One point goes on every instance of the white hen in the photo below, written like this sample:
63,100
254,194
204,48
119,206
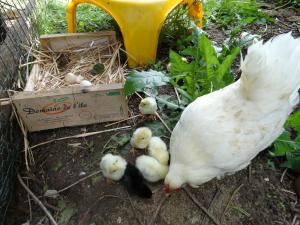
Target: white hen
221,132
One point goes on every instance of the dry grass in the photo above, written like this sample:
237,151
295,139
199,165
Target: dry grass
53,66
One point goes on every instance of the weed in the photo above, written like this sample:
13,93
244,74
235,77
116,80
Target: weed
240,210
140,81
175,27
204,72
114,143
234,14
89,145
50,18
288,146
96,179
57,166
67,210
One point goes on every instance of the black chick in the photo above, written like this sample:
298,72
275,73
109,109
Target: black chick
134,182
2,30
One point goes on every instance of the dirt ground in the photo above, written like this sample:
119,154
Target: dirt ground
259,195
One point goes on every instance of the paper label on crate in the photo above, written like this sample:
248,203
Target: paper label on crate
71,109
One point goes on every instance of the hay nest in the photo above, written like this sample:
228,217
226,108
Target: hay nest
97,64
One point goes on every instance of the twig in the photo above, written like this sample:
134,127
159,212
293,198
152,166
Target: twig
134,210
27,149
294,220
37,200
152,220
194,199
29,203
120,121
283,174
139,95
3,103
210,204
177,95
33,62
287,191
4,99
80,136
282,6
163,122
27,60
50,206
83,218
230,200
249,172
79,181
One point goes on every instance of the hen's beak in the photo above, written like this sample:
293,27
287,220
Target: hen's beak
167,188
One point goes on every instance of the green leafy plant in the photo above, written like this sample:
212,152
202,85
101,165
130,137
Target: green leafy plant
286,146
158,129
204,72
98,69
176,26
143,80
234,14
67,211
115,142
148,82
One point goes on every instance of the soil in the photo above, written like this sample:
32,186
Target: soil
260,195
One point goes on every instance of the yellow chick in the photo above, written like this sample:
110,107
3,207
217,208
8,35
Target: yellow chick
158,149
150,168
140,138
148,106
113,166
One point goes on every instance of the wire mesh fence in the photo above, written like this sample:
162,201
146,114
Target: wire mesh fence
15,33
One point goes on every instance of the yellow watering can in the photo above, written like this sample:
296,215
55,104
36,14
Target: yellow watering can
140,22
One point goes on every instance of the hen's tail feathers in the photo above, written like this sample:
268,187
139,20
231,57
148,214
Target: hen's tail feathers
273,68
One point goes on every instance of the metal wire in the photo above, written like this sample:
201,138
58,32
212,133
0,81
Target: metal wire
15,31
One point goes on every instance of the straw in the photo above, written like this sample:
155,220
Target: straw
54,66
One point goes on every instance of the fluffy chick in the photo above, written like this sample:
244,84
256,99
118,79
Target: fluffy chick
134,182
151,169
116,168
148,106
113,166
140,139
158,149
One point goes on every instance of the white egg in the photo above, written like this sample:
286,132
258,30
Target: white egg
71,78
85,83
79,78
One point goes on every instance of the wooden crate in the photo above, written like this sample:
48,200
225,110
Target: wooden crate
70,106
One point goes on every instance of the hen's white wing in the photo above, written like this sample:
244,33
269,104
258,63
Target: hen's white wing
222,132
